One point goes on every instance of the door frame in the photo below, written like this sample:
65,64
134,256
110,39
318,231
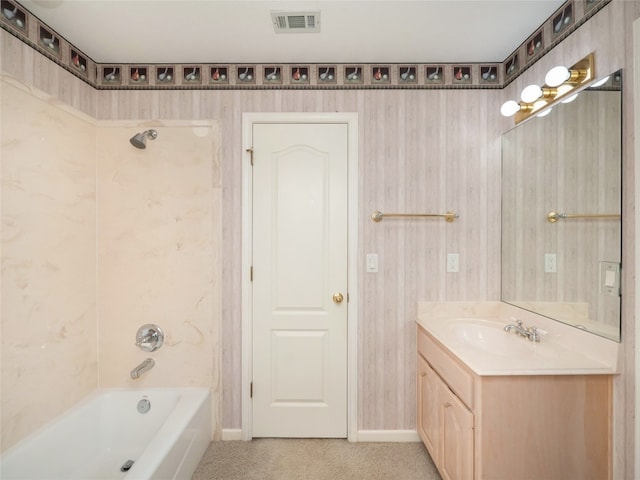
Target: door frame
636,268
351,120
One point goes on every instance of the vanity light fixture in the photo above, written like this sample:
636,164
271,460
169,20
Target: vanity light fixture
561,84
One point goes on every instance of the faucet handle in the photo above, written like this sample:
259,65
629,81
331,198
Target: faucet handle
149,337
519,322
533,334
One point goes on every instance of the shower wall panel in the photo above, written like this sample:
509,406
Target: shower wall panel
159,228
49,347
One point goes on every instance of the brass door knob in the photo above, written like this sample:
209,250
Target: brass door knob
337,297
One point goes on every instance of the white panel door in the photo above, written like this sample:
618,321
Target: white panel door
299,275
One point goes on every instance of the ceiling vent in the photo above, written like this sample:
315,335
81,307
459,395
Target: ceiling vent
296,22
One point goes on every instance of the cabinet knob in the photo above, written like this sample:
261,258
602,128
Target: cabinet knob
337,297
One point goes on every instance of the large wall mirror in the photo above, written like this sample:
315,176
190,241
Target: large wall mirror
561,211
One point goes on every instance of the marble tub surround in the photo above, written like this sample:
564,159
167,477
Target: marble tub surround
562,350
48,280
99,238
158,237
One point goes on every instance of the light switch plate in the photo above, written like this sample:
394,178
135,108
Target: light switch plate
550,263
610,278
372,263
453,263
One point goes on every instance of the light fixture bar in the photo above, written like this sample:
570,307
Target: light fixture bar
562,83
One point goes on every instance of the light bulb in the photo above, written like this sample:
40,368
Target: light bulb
540,104
531,93
557,76
599,83
509,108
571,98
544,113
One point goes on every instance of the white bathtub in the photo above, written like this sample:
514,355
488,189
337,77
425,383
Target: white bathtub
96,437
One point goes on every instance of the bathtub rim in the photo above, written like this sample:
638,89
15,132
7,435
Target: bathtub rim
200,395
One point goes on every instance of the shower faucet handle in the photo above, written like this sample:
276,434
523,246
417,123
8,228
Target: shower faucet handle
149,337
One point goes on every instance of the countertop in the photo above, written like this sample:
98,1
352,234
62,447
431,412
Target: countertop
488,350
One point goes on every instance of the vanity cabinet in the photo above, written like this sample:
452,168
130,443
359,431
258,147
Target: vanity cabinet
477,427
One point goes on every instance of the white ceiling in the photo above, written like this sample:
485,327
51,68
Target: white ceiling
239,31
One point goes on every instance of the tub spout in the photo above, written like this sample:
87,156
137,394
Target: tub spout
143,367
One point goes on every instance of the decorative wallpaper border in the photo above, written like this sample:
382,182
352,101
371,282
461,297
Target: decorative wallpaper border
21,23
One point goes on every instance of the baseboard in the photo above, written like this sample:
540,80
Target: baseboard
362,435
231,434
388,436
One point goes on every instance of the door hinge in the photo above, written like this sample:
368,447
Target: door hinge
250,150
251,390
251,273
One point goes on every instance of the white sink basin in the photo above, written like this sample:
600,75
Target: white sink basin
488,349
490,337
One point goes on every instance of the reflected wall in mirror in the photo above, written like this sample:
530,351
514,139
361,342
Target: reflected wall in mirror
569,162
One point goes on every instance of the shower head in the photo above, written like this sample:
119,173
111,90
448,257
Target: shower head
138,140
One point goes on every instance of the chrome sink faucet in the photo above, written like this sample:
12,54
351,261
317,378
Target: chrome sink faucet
143,367
527,332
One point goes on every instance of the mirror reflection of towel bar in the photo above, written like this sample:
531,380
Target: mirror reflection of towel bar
553,217
377,216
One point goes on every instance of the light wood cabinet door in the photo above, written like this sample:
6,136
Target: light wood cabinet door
428,407
456,448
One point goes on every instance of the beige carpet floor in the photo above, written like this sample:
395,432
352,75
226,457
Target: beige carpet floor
315,459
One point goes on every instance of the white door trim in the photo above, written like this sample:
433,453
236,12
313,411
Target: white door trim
351,120
636,313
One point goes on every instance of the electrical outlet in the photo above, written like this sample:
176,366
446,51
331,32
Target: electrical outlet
453,263
550,263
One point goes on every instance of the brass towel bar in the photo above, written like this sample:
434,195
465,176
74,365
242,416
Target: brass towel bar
377,216
553,217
